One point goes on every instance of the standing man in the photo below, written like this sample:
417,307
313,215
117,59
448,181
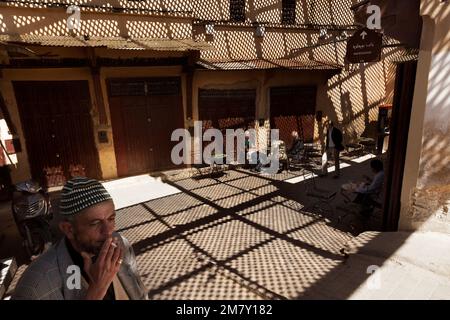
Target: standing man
332,148
91,261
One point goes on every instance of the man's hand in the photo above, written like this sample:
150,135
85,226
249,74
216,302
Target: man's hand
102,272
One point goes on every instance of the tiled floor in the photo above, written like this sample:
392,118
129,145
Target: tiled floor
237,236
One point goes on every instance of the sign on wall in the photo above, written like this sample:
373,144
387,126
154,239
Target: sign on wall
364,46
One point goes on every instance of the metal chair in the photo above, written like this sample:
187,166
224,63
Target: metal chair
367,144
322,198
356,217
297,160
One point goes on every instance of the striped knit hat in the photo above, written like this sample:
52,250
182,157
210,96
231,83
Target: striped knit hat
80,193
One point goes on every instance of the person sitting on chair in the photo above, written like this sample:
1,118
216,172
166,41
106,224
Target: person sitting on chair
368,192
297,144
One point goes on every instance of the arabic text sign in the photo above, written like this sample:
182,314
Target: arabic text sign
364,46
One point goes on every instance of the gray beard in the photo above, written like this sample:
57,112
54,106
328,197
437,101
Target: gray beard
87,248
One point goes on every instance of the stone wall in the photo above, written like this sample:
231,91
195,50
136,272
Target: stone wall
430,209
426,184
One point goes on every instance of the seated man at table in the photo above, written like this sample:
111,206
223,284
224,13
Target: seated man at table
368,192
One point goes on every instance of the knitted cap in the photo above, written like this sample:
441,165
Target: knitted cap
80,193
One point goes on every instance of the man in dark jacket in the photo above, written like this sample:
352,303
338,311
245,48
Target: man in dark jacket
332,148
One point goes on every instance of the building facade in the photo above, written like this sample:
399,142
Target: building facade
102,100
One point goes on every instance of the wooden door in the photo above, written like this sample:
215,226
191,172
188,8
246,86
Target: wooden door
144,113
293,109
57,124
227,109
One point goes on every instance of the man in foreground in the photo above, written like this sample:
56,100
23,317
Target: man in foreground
91,261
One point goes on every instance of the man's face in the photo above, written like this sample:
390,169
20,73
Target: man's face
92,227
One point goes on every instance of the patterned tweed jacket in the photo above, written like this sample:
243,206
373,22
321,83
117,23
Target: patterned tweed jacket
46,277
